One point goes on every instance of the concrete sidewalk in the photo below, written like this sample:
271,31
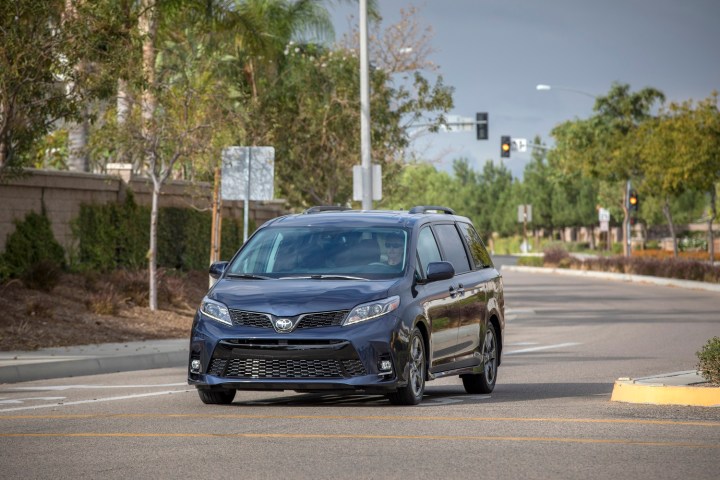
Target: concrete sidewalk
63,362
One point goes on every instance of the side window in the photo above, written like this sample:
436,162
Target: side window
427,248
477,249
453,247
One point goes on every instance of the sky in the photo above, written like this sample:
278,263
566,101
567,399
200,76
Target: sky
495,52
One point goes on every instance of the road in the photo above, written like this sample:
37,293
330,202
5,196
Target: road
550,416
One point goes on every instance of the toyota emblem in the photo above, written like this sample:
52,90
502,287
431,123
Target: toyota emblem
283,325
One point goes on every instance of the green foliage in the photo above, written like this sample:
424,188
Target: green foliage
115,236
531,261
32,253
709,361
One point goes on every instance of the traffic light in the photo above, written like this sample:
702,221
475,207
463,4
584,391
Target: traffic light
482,126
633,201
505,146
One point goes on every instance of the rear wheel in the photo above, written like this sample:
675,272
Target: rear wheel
217,397
412,393
485,382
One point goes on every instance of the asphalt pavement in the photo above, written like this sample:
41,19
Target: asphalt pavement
678,388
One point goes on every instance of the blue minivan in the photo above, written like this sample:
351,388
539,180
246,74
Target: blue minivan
348,301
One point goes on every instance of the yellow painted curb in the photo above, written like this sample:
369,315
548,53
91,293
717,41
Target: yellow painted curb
630,392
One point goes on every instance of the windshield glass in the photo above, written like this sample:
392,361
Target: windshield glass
366,252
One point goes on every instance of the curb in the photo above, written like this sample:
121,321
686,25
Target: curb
78,361
647,391
623,277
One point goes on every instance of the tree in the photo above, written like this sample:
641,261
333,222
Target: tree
35,56
680,151
603,146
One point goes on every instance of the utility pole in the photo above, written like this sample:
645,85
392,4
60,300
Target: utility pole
366,160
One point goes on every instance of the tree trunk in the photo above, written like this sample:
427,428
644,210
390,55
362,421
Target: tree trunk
78,134
668,216
713,214
147,25
152,253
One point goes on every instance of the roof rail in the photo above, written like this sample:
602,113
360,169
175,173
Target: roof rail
432,208
326,208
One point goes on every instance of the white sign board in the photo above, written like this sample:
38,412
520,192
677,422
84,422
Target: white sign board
604,226
524,213
603,215
239,163
456,123
376,181
519,144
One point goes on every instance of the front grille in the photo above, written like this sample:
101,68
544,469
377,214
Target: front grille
322,319
308,320
285,368
250,319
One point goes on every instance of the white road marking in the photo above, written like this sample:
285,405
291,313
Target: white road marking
23,400
544,347
87,387
97,400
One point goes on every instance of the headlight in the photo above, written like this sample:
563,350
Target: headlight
215,310
368,311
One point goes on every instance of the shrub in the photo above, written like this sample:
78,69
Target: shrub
530,261
554,254
104,302
42,275
32,253
709,364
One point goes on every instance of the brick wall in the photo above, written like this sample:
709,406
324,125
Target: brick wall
62,193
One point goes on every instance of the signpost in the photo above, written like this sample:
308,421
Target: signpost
248,173
524,216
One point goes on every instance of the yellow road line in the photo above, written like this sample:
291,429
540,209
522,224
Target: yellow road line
361,437
362,417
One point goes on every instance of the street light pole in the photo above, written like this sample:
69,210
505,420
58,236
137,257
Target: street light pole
366,161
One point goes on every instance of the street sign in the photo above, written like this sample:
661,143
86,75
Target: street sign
241,165
519,144
524,213
603,215
604,226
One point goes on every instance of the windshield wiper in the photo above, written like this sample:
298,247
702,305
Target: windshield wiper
335,277
247,276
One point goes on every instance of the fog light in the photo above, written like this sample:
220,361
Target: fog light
195,366
385,367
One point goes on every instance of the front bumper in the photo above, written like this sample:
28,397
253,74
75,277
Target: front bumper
318,359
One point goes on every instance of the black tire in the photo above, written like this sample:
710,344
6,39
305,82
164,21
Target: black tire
485,382
412,393
217,397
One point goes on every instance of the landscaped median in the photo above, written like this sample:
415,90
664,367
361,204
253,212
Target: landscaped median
679,388
626,277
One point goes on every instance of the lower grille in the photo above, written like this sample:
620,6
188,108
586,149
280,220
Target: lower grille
285,368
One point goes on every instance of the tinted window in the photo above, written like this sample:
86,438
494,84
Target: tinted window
283,252
453,247
477,249
427,248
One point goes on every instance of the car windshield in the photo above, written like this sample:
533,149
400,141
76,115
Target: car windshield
323,253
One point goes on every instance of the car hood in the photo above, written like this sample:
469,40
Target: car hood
292,297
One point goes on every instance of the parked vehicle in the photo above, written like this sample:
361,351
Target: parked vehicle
339,300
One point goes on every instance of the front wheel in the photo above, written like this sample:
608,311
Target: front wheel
485,382
217,397
412,393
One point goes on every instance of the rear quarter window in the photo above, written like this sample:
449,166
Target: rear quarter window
479,253
452,246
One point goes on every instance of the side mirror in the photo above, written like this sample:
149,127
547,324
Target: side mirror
439,271
217,269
